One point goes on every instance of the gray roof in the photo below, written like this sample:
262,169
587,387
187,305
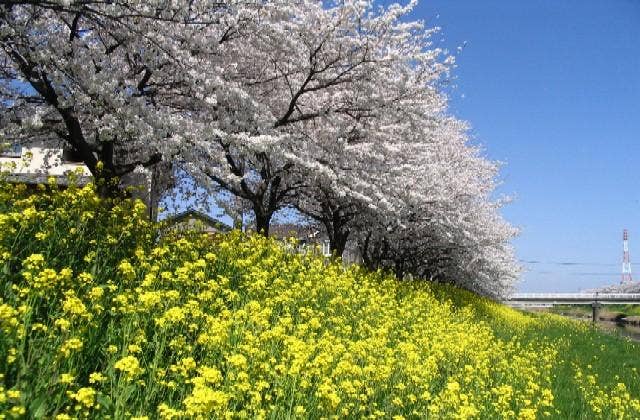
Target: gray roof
195,214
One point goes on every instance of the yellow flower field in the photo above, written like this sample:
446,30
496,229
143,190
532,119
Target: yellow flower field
103,318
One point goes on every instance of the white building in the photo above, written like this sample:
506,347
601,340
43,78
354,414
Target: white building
35,163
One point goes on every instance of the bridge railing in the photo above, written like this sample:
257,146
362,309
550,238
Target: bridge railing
575,296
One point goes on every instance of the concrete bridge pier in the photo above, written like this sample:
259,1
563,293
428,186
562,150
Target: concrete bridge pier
595,311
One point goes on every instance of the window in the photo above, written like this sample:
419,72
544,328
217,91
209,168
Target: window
12,150
71,155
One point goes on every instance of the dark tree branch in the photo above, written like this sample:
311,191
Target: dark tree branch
74,27
125,169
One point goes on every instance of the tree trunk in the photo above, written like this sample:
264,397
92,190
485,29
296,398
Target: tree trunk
367,261
263,219
399,270
337,232
338,242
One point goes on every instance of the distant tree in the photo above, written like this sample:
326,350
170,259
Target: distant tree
443,224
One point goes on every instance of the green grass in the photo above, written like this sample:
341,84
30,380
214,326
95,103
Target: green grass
609,357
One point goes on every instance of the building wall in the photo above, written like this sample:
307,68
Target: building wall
43,161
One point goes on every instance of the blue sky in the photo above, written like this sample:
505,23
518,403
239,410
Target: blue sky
552,89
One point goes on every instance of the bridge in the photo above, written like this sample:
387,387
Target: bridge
596,300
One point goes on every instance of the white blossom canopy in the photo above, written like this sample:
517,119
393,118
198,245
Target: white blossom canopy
334,108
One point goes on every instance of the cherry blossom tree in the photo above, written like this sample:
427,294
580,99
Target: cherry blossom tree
333,108
313,75
114,81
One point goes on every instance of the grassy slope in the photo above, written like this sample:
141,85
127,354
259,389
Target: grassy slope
98,318
583,347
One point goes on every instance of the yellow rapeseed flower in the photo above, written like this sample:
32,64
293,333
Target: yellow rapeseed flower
129,366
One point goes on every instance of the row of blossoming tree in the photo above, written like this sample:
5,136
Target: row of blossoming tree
335,109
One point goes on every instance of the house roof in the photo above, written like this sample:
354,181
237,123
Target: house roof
195,214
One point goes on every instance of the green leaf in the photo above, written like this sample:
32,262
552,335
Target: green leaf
105,402
38,407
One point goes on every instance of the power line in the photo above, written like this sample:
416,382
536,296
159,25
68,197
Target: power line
594,274
568,263
573,273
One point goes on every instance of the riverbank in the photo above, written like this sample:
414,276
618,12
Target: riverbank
607,312
611,321
620,314
624,330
